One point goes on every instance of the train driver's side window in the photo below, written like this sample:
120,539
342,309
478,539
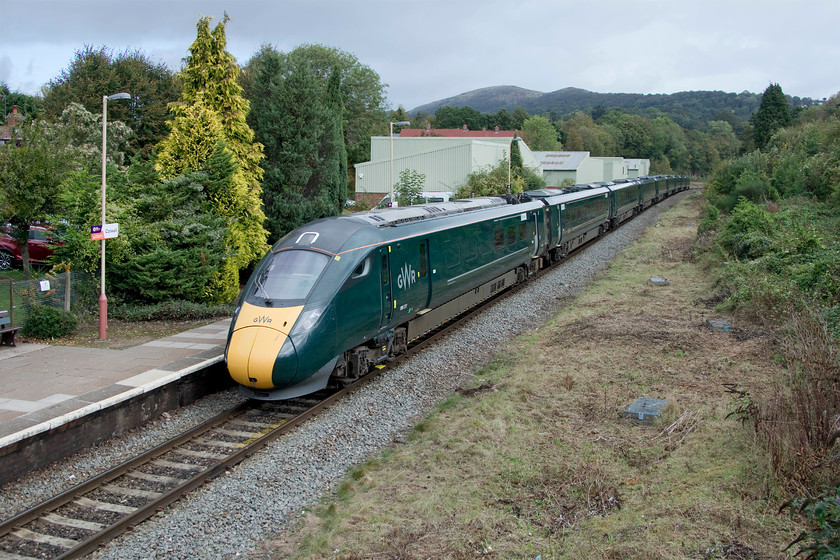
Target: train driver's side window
361,271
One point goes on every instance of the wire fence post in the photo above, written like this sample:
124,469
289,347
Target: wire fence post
67,290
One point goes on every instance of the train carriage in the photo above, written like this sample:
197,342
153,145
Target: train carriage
625,201
648,192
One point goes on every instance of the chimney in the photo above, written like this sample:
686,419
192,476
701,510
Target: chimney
464,128
497,129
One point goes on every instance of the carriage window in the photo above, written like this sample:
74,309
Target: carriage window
423,268
385,276
500,239
511,235
523,230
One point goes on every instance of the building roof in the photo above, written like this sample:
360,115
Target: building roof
462,132
13,120
560,161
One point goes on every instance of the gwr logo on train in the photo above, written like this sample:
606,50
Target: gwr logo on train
262,319
406,277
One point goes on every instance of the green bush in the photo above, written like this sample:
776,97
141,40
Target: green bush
822,540
748,233
48,322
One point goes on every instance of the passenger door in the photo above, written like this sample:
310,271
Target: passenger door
386,285
411,279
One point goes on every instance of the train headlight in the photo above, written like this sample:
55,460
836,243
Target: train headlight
309,318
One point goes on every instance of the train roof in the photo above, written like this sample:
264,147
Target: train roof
386,217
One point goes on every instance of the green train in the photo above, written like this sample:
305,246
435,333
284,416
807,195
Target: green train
338,296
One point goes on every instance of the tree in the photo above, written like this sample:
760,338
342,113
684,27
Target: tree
399,115
539,134
456,117
95,72
516,164
211,117
409,186
722,137
519,117
31,175
295,119
172,243
363,92
334,150
773,114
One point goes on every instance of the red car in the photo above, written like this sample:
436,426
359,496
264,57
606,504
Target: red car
42,243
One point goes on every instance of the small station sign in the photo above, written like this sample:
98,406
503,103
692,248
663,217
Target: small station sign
108,232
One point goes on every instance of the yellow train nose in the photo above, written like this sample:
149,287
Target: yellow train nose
259,338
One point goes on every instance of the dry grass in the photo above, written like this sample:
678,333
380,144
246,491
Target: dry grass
120,334
539,461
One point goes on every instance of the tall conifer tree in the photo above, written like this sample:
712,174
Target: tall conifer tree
210,114
773,114
335,151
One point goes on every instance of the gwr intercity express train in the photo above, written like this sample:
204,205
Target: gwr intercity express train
338,296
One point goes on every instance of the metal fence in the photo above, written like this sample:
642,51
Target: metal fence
61,291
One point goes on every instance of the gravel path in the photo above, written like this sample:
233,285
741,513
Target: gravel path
235,513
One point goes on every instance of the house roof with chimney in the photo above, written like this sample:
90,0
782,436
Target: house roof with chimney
462,132
13,120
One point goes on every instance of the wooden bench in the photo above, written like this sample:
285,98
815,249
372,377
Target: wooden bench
7,333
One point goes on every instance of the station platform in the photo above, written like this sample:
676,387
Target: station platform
44,387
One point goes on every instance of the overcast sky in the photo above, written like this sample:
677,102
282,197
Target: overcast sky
425,50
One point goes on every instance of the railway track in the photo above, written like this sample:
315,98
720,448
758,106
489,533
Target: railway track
77,521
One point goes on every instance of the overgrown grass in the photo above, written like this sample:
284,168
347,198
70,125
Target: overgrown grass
538,460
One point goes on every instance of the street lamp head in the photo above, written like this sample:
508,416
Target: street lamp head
116,96
401,123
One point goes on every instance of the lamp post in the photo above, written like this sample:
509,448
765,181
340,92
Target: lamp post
391,138
103,301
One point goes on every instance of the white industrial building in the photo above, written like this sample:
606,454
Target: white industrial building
445,161
446,158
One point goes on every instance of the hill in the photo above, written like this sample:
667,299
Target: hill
688,108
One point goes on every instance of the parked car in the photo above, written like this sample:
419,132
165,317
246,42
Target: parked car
42,244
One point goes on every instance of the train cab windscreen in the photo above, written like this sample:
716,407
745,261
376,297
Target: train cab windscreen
288,275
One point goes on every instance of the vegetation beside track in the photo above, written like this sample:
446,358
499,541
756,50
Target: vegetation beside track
537,459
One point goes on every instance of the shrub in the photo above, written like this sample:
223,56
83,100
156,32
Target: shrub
822,541
48,322
747,234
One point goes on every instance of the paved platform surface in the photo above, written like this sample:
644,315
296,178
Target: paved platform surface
42,387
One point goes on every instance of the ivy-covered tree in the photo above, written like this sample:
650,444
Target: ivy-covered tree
773,114
211,116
